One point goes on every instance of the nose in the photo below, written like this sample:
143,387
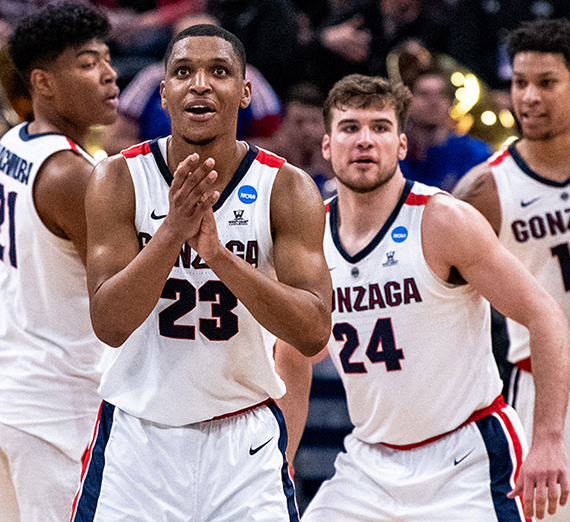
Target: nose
531,93
200,83
109,73
364,137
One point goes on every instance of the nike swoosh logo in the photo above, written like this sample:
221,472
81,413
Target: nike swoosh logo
253,451
529,202
459,461
153,215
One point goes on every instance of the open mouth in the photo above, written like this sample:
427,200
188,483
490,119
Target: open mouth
199,110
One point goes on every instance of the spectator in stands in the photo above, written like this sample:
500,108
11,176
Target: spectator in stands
301,133
437,155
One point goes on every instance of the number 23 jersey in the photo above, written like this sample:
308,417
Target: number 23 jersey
200,353
413,352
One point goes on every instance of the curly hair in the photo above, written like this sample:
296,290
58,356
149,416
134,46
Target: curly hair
361,92
40,38
543,36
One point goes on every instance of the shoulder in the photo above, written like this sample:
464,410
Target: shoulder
295,196
478,188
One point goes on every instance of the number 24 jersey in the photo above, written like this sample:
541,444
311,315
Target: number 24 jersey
413,351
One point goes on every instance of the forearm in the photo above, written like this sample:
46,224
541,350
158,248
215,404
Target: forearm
550,356
298,316
123,301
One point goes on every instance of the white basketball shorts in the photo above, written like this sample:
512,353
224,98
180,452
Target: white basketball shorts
224,470
464,475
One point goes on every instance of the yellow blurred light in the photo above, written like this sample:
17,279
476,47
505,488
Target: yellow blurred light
460,93
464,124
488,118
509,140
458,79
506,118
99,155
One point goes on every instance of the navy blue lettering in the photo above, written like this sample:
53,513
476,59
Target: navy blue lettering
393,295
375,297
343,298
360,293
411,291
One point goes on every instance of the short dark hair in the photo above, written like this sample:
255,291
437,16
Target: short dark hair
209,30
543,36
306,93
361,92
438,72
39,39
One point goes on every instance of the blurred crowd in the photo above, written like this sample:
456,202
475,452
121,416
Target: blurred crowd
297,49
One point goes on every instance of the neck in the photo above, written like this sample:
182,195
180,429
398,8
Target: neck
50,121
550,158
361,216
226,153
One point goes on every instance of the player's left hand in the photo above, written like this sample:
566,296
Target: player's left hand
543,479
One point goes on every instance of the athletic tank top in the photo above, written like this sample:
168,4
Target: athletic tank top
535,227
200,353
414,352
49,355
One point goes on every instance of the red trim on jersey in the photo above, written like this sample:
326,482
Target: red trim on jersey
525,365
85,460
269,159
73,145
238,412
137,150
495,407
416,200
499,159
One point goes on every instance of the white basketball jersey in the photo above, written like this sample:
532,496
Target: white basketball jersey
48,351
413,351
200,353
535,227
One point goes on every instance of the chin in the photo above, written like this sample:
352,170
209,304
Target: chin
199,142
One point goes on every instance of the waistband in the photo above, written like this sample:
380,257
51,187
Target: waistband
497,405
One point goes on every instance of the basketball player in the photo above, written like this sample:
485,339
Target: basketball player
412,271
202,250
523,190
49,355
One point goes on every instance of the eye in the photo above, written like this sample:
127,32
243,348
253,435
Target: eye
519,84
349,128
380,128
547,83
182,71
220,71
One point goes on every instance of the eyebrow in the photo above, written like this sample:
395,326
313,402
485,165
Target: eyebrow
354,120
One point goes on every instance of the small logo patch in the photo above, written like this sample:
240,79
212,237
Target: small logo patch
154,215
529,202
459,461
247,194
253,451
238,219
390,261
399,234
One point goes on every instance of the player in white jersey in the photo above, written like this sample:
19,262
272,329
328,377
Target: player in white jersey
524,189
49,355
413,272
193,273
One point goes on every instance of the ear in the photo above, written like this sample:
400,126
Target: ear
326,147
162,98
42,82
402,146
246,96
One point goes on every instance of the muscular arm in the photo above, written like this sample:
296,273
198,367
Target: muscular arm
296,307
456,235
478,188
125,282
59,197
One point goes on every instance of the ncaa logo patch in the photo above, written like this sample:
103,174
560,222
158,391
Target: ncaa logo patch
247,194
399,234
